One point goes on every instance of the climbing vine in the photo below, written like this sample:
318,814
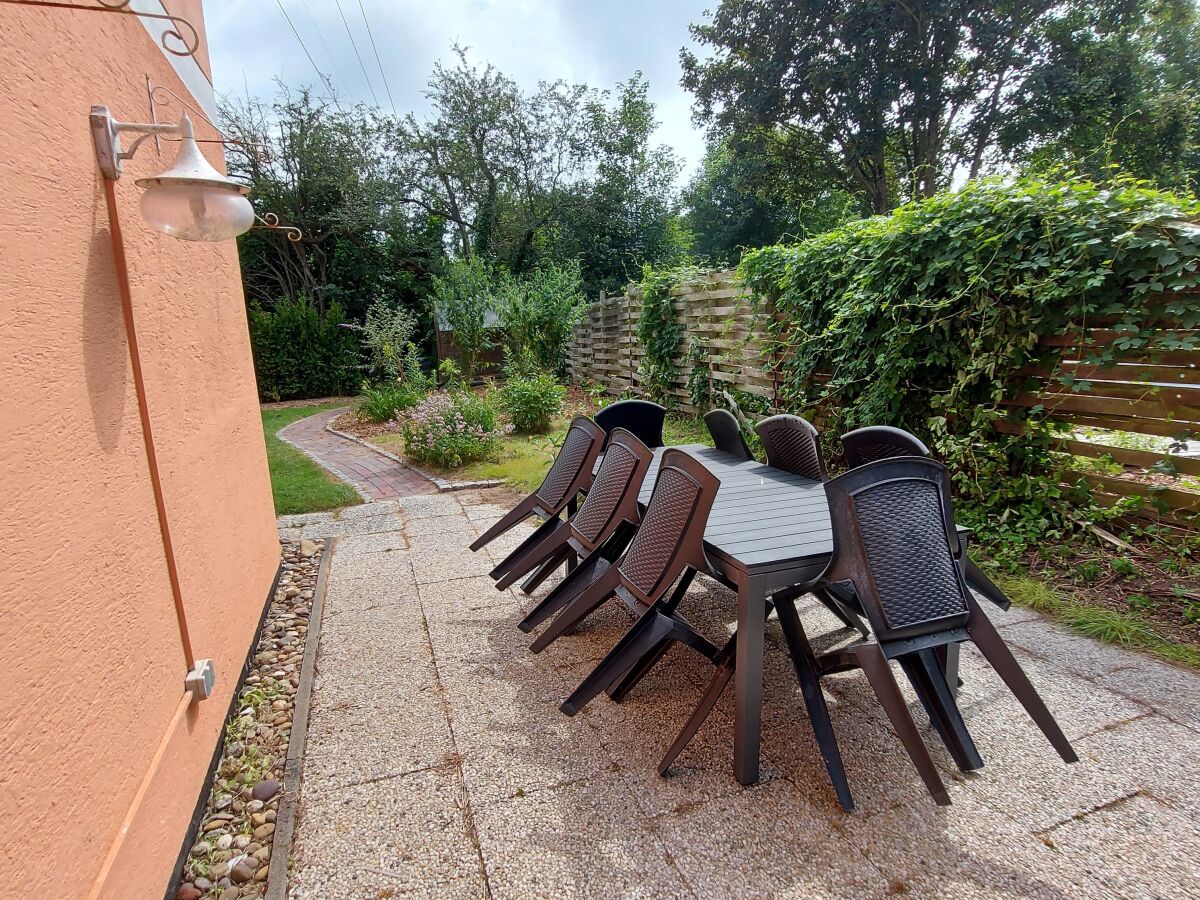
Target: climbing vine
929,317
699,381
659,333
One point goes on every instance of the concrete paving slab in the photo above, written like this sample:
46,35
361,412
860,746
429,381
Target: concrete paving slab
581,839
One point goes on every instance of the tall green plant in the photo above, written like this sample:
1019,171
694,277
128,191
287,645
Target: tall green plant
386,334
463,295
538,313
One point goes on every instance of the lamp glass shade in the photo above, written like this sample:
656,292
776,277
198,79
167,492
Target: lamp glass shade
196,212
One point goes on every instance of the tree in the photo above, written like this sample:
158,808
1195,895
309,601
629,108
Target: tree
328,171
1114,84
491,160
563,173
738,201
626,214
884,98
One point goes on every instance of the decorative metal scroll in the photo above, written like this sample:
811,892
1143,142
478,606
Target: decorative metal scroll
182,31
271,221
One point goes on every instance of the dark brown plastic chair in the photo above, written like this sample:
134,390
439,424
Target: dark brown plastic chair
642,417
727,433
667,550
611,503
791,444
876,442
895,542
570,473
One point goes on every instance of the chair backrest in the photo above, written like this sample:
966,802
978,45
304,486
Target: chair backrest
643,418
571,471
894,540
727,433
613,496
791,444
864,445
671,536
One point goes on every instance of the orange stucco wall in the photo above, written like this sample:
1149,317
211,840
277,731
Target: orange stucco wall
91,663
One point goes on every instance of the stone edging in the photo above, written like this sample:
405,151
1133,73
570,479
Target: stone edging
293,768
442,484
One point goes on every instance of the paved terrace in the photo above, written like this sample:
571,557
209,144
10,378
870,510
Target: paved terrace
438,764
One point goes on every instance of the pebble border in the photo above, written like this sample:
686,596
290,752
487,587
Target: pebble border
293,767
238,825
443,485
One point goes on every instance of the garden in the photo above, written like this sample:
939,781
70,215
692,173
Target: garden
893,320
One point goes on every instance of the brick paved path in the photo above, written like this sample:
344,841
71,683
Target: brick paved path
375,476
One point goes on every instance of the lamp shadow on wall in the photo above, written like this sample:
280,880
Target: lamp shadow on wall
105,350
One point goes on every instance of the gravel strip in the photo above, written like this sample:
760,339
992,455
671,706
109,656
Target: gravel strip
231,857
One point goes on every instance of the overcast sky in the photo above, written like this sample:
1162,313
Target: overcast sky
597,42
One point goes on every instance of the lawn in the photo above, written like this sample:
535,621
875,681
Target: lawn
298,484
522,459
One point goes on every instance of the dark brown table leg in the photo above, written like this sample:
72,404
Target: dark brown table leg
748,679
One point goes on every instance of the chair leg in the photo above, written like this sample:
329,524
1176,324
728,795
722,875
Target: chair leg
805,663
535,540
514,516
579,608
534,581
984,585
870,658
564,592
925,672
725,664
983,633
844,615
525,560
650,630
640,670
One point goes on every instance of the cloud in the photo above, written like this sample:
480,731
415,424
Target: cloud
598,43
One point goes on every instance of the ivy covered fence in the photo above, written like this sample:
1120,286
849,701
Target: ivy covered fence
994,320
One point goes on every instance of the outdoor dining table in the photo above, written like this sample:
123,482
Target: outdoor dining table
768,530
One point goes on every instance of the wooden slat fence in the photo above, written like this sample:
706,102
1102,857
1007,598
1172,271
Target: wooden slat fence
1149,392
713,309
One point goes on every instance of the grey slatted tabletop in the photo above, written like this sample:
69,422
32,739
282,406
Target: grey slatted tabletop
762,517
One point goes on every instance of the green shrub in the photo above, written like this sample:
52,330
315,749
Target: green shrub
450,430
383,402
929,318
659,333
539,311
300,353
386,334
449,375
532,402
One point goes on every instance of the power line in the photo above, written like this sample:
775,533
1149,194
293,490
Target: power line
375,49
321,35
350,35
324,78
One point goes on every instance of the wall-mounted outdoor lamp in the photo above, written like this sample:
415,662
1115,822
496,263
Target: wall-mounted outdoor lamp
190,200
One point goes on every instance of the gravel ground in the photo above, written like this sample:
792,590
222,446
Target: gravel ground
230,858
437,763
